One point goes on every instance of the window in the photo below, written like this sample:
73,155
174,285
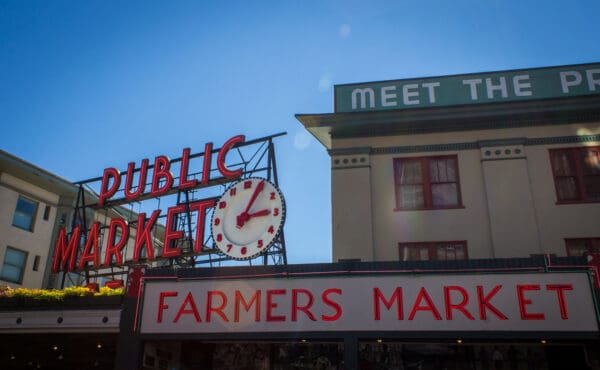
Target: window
582,246
36,263
433,251
47,213
427,183
24,214
14,265
576,174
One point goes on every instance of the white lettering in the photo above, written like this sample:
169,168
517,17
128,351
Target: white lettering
565,82
501,86
473,86
385,96
520,83
363,98
430,88
592,82
407,95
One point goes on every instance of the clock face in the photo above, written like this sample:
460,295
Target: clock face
247,218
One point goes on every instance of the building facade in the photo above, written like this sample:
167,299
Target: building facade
34,204
497,178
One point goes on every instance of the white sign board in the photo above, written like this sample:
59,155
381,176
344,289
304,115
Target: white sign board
473,302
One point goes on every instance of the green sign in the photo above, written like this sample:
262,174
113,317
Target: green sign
479,88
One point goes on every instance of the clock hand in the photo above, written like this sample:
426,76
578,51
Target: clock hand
264,212
244,216
257,191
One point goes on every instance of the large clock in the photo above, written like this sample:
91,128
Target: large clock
247,218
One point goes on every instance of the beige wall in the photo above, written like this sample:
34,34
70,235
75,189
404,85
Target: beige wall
34,242
509,200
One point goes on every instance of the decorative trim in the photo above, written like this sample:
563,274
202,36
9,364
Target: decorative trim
466,146
350,151
501,142
425,148
562,140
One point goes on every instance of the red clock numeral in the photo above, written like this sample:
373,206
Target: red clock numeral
222,205
229,246
244,250
260,243
219,237
217,221
271,229
248,184
276,212
272,196
232,191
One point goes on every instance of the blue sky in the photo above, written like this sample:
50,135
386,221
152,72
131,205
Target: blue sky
86,85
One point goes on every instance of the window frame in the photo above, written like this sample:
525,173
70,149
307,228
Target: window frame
426,183
432,249
579,175
594,243
22,267
33,215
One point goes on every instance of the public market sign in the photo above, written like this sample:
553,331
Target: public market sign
470,302
481,88
68,256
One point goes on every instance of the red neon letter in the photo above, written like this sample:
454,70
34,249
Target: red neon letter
305,308
105,191
143,236
206,163
429,306
459,306
66,251
335,305
560,288
193,309
524,302
91,243
255,300
271,305
219,309
161,304
113,247
171,234
484,303
223,153
378,296
161,171
141,186
201,206
184,183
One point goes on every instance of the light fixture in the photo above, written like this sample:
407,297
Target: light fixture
543,341
303,340
379,340
459,341
99,345
55,348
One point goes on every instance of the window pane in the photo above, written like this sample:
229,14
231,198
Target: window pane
442,170
592,187
566,188
561,163
12,273
23,221
591,161
25,206
444,195
24,213
411,196
410,172
14,257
